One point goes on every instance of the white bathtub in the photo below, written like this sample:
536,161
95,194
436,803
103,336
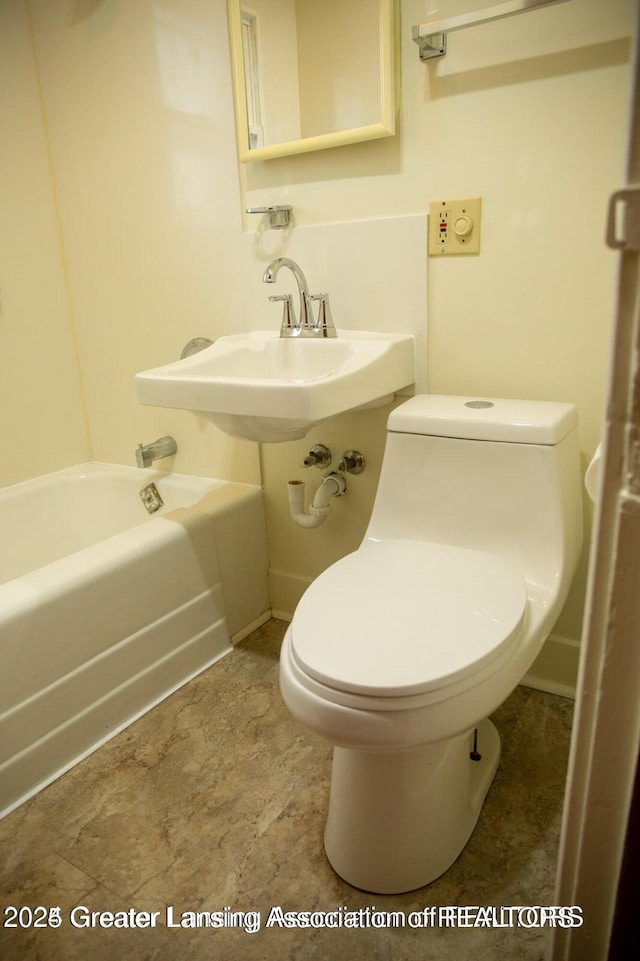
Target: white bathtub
106,609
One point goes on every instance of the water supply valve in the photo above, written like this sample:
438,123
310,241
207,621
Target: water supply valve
352,462
319,456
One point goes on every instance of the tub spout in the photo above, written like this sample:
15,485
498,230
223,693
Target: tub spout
147,453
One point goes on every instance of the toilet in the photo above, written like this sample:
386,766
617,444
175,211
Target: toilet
398,652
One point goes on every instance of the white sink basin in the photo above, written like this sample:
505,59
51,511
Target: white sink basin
265,388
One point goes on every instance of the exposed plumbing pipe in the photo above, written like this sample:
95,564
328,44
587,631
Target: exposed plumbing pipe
333,485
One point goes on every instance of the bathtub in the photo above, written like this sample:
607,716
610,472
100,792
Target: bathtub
106,609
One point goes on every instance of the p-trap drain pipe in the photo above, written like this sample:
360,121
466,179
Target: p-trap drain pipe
333,485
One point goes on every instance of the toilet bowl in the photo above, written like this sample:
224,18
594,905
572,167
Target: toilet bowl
398,652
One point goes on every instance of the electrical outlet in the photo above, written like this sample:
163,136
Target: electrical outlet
454,227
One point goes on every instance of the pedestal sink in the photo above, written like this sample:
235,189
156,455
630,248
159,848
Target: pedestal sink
265,388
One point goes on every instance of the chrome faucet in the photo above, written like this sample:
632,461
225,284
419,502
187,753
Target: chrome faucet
304,325
147,453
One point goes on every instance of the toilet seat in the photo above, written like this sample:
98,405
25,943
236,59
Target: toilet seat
401,618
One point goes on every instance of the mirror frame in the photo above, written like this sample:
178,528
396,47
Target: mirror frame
384,128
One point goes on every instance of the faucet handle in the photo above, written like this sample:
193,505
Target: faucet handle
288,314
324,326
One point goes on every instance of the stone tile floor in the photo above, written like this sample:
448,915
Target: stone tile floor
217,798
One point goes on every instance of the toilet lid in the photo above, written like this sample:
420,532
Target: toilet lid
404,617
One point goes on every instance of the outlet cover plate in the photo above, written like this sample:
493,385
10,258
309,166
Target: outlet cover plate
454,227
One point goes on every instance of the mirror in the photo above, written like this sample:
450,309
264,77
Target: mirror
310,75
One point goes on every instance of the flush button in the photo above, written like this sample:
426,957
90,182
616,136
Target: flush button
479,404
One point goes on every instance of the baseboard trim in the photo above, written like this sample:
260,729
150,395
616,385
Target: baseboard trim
285,590
555,670
252,626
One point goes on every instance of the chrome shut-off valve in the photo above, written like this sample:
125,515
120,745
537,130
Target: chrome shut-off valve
318,456
352,461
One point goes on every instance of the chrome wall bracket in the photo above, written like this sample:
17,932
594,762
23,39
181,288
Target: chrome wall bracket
431,37
432,46
279,216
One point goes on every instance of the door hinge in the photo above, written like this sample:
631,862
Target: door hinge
623,221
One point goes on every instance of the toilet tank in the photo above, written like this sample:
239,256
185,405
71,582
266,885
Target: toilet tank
495,475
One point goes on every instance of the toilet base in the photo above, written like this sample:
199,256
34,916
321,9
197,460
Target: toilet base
398,820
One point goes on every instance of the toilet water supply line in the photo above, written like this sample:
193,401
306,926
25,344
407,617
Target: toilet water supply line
333,485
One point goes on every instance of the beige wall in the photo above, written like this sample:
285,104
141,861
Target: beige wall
528,113
139,112
42,424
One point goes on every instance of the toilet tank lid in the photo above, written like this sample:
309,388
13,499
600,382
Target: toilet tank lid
484,418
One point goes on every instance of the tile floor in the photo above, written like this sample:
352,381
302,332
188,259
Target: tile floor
217,798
